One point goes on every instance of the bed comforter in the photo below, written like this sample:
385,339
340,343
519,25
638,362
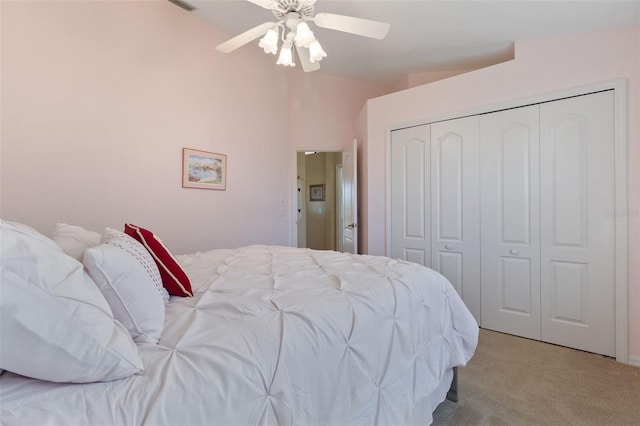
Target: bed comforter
278,335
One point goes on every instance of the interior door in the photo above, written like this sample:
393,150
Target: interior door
350,198
455,204
339,208
411,194
510,221
578,236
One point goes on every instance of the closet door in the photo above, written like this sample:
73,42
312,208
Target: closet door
578,235
410,195
510,221
455,218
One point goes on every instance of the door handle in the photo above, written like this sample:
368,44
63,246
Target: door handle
352,225
448,246
513,252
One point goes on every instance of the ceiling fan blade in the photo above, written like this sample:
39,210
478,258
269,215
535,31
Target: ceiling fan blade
307,66
349,24
244,38
267,4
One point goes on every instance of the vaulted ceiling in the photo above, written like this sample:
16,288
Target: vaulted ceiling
429,35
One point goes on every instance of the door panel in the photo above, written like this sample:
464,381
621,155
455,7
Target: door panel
414,255
568,295
578,237
350,198
448,182
410,195
451,266
455,221
510,221
567,185
515,192
515,286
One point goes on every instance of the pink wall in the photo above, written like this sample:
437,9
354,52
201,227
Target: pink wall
540,66
99,98
323,109
418,79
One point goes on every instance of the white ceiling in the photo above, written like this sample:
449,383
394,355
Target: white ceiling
428,35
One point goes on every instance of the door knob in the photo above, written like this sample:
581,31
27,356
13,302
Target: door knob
448,246
513,252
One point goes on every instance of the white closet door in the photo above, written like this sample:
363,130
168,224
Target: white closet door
510,221
578,236
455,218
410,195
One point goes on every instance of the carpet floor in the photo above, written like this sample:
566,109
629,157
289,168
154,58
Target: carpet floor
516,381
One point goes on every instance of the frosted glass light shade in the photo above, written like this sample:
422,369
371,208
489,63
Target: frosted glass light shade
286,56
304,36
270,41
315,52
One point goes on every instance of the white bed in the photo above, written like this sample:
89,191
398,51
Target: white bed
277,335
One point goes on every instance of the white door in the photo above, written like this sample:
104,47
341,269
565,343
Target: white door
350,198
578,236
455,205
339,207
410,194
510,221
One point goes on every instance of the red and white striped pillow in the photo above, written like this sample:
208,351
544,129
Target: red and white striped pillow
174,279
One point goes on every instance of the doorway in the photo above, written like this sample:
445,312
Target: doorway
318,199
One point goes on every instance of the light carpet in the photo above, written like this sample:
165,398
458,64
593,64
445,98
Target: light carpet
516,381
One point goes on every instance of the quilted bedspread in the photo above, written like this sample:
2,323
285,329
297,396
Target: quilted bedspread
278,335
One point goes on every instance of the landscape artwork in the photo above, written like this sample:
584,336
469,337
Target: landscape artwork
204,170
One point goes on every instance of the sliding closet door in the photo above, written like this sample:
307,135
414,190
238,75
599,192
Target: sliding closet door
578,235
510,221
410,195
455,218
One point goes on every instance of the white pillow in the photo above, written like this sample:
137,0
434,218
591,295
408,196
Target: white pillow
129,290
54,323
74,239
32,232
134,248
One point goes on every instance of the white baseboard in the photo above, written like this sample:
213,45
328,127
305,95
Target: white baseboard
634,360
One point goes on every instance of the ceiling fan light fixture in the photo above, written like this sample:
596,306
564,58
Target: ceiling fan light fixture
286,55
316,53
270,41
304,36
292,17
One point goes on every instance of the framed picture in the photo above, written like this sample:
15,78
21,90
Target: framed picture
204,170
316,192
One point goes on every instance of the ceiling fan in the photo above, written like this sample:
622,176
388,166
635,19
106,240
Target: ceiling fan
292,28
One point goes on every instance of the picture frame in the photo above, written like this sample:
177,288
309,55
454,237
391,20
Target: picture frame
203,169
316,192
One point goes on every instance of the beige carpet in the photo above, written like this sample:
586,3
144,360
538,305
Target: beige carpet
516,381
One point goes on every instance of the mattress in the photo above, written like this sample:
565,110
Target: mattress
278,335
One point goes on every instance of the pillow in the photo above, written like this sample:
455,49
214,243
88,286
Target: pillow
137,250
32,232
173,276
129,290
55,324
74,240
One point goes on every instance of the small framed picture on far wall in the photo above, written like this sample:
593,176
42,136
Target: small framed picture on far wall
316,192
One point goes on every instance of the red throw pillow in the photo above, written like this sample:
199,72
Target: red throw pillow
174,278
